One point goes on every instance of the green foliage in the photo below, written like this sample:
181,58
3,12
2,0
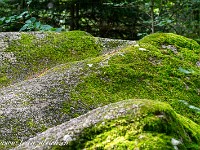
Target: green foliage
33,25
125,19
15,22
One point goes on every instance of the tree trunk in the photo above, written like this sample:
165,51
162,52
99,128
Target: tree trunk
77,16
72,20
152,17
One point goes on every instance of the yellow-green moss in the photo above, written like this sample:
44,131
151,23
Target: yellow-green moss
35,55
158,39
147,71
152,72
153,127
4,80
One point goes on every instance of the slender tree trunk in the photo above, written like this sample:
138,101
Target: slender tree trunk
22,8
152,17
77,16
72,12
101,22
196,17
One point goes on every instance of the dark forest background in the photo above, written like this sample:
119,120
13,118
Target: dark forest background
124,19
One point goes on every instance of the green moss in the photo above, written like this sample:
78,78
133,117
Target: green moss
162,68
36,55
4,80
152,127
154,73
158,39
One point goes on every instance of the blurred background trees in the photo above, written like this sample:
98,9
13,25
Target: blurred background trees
124,19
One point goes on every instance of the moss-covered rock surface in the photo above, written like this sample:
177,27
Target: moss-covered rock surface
130,124
49,78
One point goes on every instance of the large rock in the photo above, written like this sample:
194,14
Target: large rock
58,77
130,124
25,55
42,99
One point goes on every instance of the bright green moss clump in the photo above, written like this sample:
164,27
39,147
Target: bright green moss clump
159,39
35,55
152,127
4,80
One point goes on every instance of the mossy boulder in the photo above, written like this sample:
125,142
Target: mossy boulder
130,124
27,55
166,70
34,53
161,67
160,39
